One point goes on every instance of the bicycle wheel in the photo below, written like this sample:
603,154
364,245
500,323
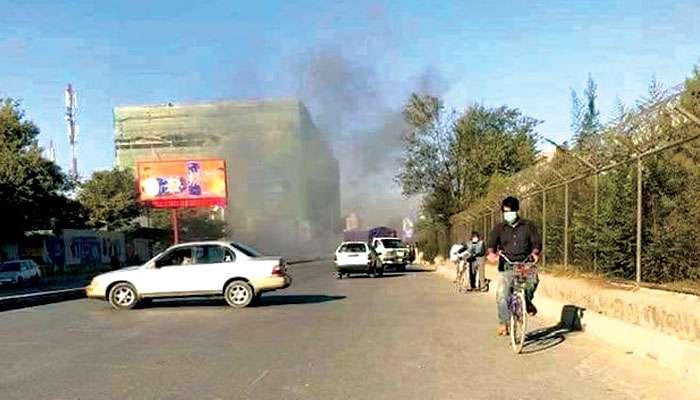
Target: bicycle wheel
518,321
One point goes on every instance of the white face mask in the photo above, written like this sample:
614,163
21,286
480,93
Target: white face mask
510,216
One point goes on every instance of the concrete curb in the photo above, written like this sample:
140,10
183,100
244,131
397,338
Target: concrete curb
681,356
15,302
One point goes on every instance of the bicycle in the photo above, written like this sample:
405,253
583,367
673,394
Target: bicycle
462,280
517,301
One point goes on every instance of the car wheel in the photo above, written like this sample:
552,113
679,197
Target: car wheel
380,267
123,296
401,267
238,294
339,275
373,272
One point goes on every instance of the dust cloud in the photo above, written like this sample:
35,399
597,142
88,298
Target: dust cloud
363,121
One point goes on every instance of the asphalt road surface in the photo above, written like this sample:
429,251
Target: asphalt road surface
404,336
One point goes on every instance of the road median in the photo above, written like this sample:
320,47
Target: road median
17,301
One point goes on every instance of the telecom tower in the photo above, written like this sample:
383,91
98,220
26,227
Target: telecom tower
51,152
71,109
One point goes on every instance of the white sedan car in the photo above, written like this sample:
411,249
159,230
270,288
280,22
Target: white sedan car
356,257
232,270
19,272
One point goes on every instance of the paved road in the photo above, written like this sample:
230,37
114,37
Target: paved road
401,337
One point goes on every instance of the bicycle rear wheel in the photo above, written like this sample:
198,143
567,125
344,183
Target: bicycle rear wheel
463,283
518,321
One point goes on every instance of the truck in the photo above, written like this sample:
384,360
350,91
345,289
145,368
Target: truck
362,235
355,235
392,251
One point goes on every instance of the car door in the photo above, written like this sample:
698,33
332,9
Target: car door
169,275
34,270
26,271
213,266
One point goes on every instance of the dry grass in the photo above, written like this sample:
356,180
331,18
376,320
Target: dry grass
687,286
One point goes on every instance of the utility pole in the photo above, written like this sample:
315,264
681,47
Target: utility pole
71,109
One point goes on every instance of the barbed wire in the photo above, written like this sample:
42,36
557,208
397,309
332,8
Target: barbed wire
637,133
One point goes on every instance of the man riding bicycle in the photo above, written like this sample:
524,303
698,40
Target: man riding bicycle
518,240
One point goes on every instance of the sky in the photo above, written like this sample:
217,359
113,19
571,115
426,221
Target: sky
528,55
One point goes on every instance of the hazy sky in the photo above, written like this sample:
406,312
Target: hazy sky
140,52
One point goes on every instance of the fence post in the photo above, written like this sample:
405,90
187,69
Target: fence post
544,228
639,219
595,221
566,225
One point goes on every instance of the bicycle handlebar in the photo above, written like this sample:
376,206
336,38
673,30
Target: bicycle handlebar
531,262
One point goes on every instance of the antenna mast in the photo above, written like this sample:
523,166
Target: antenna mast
71,109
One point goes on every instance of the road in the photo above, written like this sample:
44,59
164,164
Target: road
405,336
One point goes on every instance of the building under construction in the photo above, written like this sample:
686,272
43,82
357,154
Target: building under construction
283,180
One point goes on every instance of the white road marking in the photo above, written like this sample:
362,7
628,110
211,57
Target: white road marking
35,294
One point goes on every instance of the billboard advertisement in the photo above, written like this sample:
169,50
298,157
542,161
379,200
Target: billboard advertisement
182,183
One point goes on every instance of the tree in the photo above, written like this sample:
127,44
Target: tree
451,158
690,98
655,93
110,199
428,165
32,188
491,142
585,116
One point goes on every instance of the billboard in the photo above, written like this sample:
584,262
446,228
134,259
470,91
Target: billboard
182,183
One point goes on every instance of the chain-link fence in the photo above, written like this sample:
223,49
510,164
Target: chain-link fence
624,205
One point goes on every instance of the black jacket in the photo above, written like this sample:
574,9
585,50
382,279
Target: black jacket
516,242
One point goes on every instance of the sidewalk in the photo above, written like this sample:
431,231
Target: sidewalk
652,324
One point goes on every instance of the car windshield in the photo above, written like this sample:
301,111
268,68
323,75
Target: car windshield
247,250
10,267
353,248
392,243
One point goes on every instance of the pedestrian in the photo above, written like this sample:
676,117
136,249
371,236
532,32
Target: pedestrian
519,240
455,251
476,262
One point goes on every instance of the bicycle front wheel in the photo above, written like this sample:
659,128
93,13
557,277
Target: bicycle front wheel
518,321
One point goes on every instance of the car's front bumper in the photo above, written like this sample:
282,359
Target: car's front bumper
94,291
394,260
